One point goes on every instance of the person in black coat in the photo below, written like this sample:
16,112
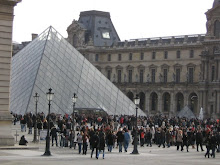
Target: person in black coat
23,141
94,140
101,144
148,137
185,141
110,141
53,133
213,142
208,145
199,140
120,139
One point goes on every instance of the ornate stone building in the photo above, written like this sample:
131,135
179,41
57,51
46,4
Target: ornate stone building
168,73
6,25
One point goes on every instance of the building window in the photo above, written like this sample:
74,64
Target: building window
130,56
213,73
109,57
165,75
130,76
142,56
119,57
153,72
141,76
153,55
109,74
217,28
191,70
178,54
191,54
119,76
165,54
177,75
96,57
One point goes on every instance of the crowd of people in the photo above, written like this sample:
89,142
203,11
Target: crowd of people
98,131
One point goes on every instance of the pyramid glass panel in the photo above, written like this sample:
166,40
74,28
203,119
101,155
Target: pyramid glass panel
51,62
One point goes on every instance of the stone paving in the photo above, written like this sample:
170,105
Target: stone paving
32,155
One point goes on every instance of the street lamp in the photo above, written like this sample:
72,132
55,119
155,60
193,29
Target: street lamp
136,102
47,150
74,98
36,97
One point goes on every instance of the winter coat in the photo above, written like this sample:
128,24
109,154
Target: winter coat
53,132
199,138
127,137
179,138
79,138
120,136
94,140
110,139
102,141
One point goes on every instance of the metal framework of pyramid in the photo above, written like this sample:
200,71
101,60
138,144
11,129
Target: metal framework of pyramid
186,112
50,61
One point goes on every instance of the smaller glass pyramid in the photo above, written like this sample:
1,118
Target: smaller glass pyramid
51,62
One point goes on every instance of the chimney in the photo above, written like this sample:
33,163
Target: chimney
34,36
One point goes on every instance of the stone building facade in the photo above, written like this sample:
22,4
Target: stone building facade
168,73
6,24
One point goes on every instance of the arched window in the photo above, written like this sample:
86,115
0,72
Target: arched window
217,29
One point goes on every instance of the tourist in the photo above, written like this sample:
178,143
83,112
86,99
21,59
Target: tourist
94,140
120,139
80,141
23,141
101,144
127,140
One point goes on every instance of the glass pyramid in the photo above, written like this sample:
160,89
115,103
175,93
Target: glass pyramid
51,62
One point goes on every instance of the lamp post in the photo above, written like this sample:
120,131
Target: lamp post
136,102
74,98
36,97
47,150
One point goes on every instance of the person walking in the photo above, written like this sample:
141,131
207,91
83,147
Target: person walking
94,140
168,137
199,140
208,145
148,137
101,144
85,143
110,141
179,139
80,141
213,144
185,141
127,139
120,139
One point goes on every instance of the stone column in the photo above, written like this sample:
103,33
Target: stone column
159,108
218,71
217,68
200,100
6,22
147,102
172,104
218,103
186,101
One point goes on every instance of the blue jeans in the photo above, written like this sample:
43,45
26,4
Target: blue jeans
126,143
110,148
103,154
120,146
80,147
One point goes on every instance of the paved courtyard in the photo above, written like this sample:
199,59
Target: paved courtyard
32,155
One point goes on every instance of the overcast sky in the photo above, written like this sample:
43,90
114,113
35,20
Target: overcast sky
131,18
